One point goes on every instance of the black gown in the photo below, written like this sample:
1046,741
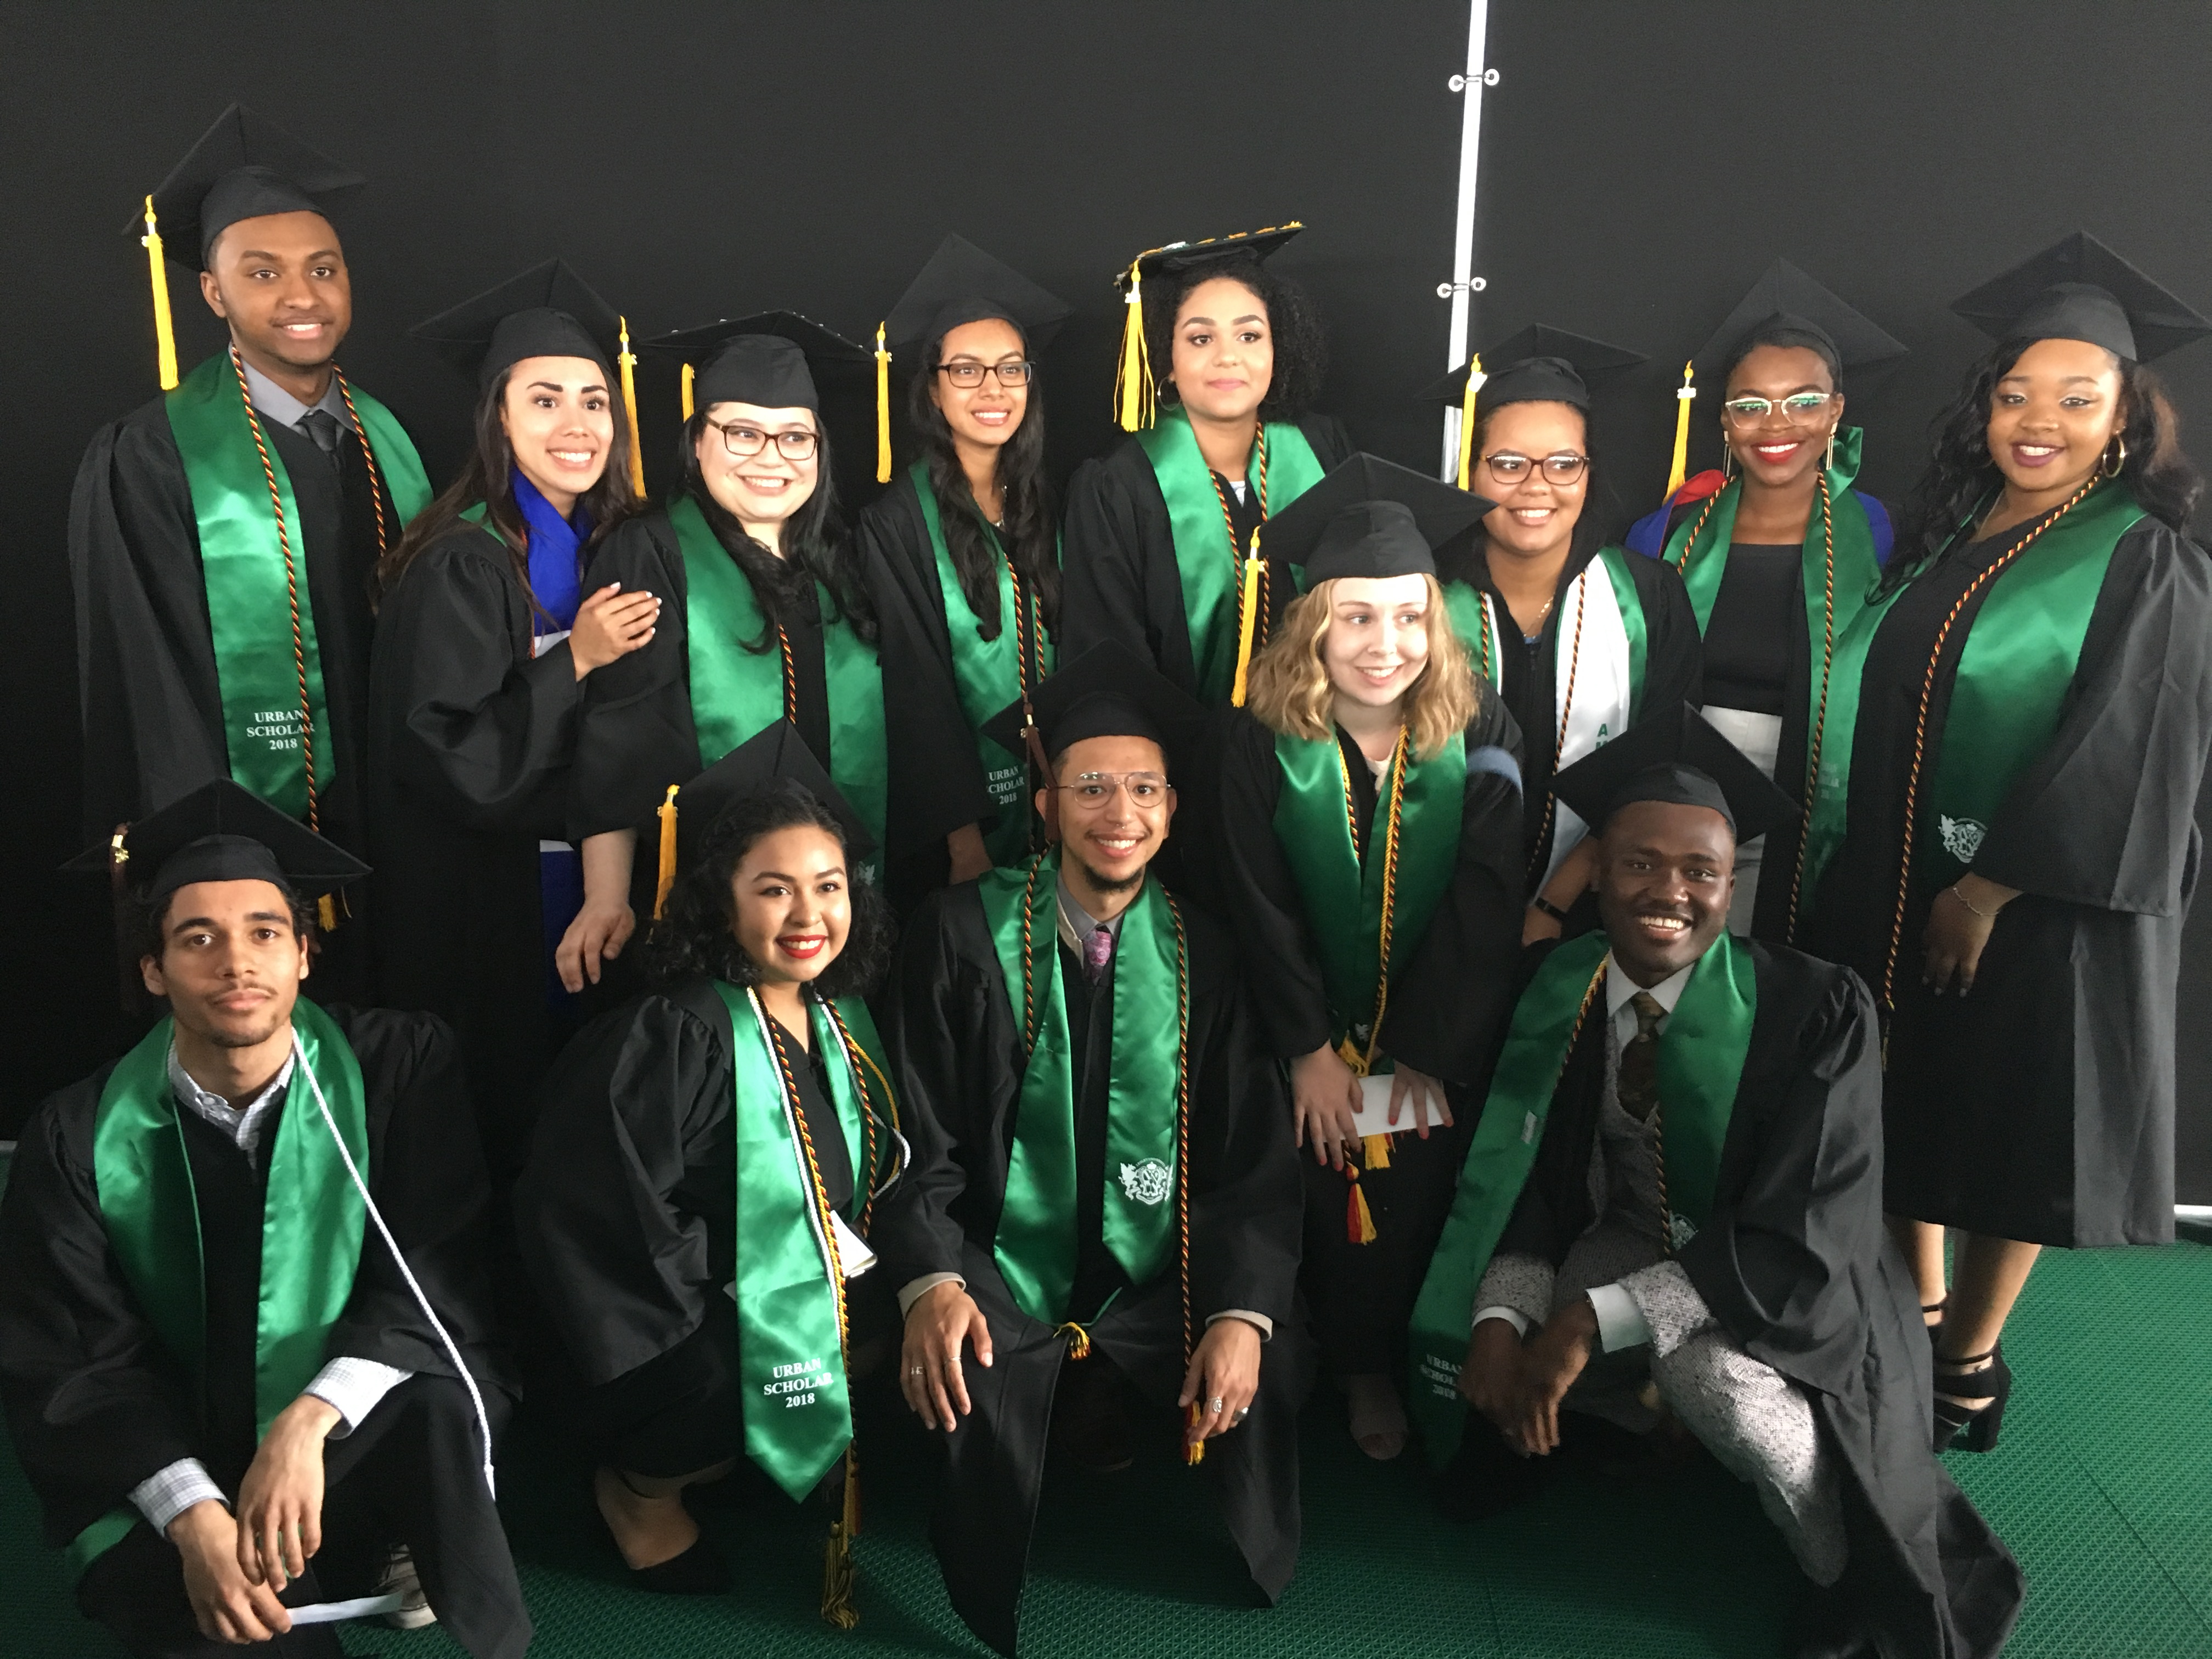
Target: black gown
150,707
638,735
1794,1263
957,1067
1446,1013
2040,1106
97,1404
471,743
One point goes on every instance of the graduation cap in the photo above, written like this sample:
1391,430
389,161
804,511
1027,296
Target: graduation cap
2077,288
1370,518
221,831
548,311
1540,364
773,753
1134,397
761,359
1109,691
963,284
1674,757
1786,297
243,166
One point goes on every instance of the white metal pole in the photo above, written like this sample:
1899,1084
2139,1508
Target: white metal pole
1464,283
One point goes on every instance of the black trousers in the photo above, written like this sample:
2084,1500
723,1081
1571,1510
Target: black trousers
410,1475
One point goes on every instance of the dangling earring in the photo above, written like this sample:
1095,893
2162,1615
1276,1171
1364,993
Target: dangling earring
1728,460
1829,464
2110,468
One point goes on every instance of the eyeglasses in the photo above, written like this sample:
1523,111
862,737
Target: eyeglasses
1093,790
1797,409
1563,468
969,376
742,439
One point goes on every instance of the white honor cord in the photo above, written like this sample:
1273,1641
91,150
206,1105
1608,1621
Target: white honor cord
476,1398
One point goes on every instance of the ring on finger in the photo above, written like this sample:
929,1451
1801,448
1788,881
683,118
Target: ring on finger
1243,1412
1215,1405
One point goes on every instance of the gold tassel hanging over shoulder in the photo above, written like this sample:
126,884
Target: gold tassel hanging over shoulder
1134,394
838,1572
1475,377
883,410
629,361
687,391
666,877
165,337
1680,470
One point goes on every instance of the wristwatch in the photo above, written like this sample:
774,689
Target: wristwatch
1539,902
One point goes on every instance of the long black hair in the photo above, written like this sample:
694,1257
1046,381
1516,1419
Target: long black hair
488,476
815,545
1962,477
695,937
1301,344
1031,529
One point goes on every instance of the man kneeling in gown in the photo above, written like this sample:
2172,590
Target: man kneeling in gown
1672,1208
232,1399
1104,1196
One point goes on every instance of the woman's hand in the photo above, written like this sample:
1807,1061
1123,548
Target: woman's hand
611,623
1568,882
942,1318
1423,1094
605,923
1222,1379
1325,1095
1959,928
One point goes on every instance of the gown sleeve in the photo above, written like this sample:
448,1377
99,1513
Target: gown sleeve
1259,895
2106,816
635,734
1104,558
1674,667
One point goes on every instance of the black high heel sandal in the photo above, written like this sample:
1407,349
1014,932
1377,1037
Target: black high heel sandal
702,1570
1973,1427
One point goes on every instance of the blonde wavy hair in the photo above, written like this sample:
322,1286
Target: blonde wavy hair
1290,691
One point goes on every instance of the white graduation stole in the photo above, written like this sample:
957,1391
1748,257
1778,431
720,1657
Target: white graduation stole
1589,655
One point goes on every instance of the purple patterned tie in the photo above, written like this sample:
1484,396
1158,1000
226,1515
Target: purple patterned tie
1098,951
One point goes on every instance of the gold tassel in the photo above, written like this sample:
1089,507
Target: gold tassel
1475,377
1375,1151
326,913
838,1574
1078,1341
1359,1219
666,877
1247,622
883,410
165,338
629,361
1134,392
1681,466
687,391
1194,1452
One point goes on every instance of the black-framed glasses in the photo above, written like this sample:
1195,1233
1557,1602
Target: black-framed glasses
969,376
740,438
1095,789
1563,468
1798,409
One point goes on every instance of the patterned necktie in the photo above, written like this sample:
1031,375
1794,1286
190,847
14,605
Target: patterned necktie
1638,1085
323,427
1098,951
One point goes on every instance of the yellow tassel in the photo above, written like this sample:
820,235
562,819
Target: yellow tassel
666,877
165,338
838,1574
1375,1151
1680,470
1350,1053
1134,392
1247,622
1360,1220
629,361
326,913
1475,377
1078,1341
883,410
687,391
1194,1452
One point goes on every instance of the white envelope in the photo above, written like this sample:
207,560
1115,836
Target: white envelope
1373,1117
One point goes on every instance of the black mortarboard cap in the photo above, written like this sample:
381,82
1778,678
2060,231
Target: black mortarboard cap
1540,364
963,284
548,311
1370,518
773,752
221,831
1786,296
1178,257
244,167
2077,288
1674,755
762,359
1109,691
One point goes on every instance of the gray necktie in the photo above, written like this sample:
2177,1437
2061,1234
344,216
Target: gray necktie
323,427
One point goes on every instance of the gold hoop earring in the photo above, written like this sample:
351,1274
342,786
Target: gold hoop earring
2110,468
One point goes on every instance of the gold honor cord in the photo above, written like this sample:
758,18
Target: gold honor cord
1567,708
1820,711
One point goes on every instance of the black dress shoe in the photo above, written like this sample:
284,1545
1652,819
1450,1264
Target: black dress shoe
700,1570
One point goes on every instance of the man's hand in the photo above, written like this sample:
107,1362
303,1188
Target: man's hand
1423,1094
1224,1376
1959,928
280,1502
1490,1376
942,1318
1550,1363
1326,1096
225,1605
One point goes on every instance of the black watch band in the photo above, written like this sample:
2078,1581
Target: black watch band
1539,902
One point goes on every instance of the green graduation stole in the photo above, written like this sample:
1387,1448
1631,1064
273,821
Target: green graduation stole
1147,1098
1840,572
1469,611
1701,1055
989,674
261,617
1211,566
311,1227
736,693
1356,898
792,1335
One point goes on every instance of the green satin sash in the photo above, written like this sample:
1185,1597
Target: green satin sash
1700,1067
311,1226
257,591
796,1400
1342,885
989,674
736,693
2023,646
1212,571
1036,1247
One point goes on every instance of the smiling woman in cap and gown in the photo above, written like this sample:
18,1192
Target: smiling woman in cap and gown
484,640
2021,844
1671,1211
187,553
201,1314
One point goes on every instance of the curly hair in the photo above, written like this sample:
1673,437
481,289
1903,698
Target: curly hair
143,925
1301,344
1291,694
695,937
1962,477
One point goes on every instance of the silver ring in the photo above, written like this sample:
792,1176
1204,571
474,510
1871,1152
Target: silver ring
1243,1412
917,1372
1215,1405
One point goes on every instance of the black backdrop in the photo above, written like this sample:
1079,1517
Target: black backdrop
1641,165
